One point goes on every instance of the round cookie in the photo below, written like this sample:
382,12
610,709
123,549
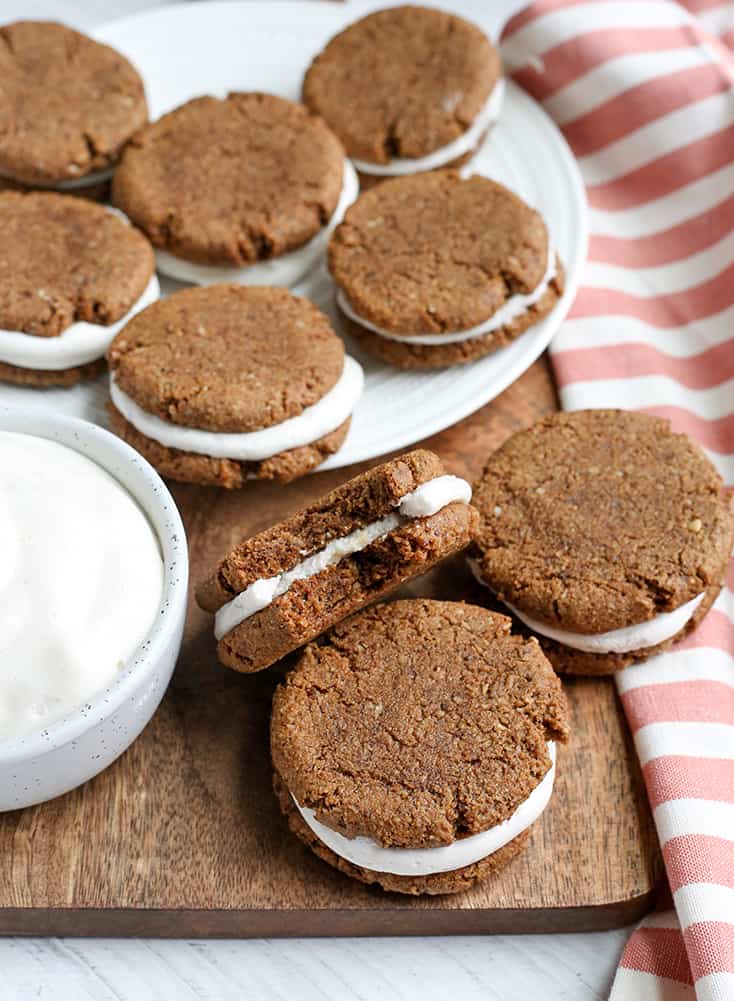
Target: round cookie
68,106
274,177
408,735
434,90
71,273
289,583
437,270
605,533
222,384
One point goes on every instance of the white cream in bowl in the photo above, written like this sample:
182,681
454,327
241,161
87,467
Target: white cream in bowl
81,579
93,593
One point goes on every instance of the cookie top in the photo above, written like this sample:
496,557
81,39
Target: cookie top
270,170
435,253
227,357
416,723
64,259
402,82
364,499
599,519
67,106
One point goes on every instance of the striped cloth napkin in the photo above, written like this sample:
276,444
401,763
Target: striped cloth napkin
643,90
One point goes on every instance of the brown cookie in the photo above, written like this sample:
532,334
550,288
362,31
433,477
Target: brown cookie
64,260
272,173
227,360
402,82
416,724
435,255
384,559
68,106
601,520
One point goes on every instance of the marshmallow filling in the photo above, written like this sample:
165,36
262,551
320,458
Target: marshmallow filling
313,423
465,143
424,501
79,344
509,311
640,636
368,854
284,270
67,184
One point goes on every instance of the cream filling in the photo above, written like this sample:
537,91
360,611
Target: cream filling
285,270
639,636
313,423
68,184
509,311
79,344
464,143
368,854
424,501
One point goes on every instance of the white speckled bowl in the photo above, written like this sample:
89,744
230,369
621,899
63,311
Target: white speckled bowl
42,765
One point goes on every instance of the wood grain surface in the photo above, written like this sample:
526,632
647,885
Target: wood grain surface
182,836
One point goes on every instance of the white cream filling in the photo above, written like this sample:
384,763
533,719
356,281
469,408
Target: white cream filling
79,344
639,636
313,423
464,143
68,184
424,501
368,854
509,311
285,269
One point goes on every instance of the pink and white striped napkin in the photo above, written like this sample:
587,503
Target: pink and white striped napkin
644,92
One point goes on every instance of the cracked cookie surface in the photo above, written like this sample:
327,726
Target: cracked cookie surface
417,722
436,253
599,519
227,358
68,104
402,82
64,260
231,181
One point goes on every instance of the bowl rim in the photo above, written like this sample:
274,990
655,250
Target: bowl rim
151,494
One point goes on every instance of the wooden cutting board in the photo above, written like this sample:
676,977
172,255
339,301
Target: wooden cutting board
182,836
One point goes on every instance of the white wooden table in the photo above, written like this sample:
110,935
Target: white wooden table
500,968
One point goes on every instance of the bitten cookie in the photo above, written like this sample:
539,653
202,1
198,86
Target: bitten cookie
246,189
603,532
67,107
436,270
286,585
224,384
71,274
407,89
415,745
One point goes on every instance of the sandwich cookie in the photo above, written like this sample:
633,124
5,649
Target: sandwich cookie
246,189
437,270
286,585
407,90
72,273
224,384
604,534
414,747
68,106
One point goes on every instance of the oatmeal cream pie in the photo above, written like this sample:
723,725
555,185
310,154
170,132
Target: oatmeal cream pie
72,273
407,89
414,746
223,384
604,534
67,106
437,270
286,585
246,189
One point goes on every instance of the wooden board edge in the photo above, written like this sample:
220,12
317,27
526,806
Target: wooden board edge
134,922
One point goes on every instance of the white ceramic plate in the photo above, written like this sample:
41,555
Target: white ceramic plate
211,48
